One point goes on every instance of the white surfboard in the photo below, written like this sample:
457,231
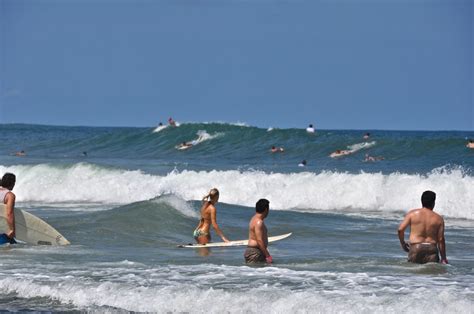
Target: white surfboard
31,229
160,128
233,243
182,147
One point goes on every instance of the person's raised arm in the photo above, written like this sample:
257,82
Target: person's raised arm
442,244
401,232
9,207
214,224
260,242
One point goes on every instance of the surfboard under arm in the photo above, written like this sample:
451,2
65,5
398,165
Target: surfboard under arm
233,243
31,229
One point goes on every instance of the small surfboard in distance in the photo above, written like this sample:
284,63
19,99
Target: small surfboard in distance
232,243
160,128
31,229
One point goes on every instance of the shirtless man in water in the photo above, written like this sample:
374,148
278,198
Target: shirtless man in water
202,233
257,251
426,233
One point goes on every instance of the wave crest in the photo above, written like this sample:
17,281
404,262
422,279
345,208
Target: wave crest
304,191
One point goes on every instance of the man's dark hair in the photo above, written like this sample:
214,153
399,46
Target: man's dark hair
8,180
428,199
262,205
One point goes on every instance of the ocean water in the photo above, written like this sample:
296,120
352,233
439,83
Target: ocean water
128,203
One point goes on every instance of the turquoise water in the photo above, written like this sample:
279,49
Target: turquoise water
128,203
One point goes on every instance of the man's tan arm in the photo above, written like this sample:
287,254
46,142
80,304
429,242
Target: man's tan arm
9,207
259,238
442,244
401,232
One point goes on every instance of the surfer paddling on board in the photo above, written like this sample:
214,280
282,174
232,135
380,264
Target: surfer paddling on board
257,251
340,152
8,198
202,233
426,233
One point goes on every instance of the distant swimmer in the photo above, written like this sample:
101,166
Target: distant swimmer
302,163
257,251
275,149
366,136
470,144
84,154
372,158
20,153
202,233
340,153
171,122
8,198
426,233
310,129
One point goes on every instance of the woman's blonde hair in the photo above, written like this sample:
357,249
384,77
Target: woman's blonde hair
213,194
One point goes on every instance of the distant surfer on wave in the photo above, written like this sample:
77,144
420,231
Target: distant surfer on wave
202,233
275,149
171,122
426,233
257,251
303,163
372,158
185,145
340,152
470,144
310,129
8,197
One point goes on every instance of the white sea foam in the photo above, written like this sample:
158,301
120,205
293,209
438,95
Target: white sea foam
204,136
86,183
359,146
222,289
179,204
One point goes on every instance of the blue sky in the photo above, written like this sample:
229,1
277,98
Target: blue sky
337,64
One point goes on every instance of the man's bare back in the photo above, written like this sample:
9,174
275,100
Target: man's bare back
425,226
426,233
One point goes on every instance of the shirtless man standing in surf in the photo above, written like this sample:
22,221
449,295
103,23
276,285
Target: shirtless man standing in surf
257,251
426,233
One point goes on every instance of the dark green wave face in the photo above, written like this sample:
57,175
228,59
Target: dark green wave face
225,146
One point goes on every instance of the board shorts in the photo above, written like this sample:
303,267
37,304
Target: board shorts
4,239
254,255
422,253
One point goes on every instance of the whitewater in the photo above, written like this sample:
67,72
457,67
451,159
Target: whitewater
326,191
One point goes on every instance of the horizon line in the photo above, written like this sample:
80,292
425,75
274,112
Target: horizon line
242,124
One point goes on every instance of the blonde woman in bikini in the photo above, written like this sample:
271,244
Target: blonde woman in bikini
202,233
